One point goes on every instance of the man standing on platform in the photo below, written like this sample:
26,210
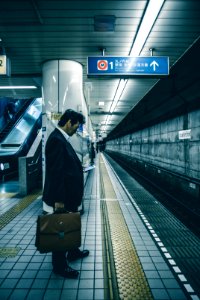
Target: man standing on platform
63,187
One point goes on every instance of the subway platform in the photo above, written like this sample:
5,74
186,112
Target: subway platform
127,258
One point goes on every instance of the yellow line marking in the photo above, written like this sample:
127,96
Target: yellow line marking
132,283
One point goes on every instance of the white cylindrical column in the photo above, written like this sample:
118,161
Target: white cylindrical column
62,85
62,88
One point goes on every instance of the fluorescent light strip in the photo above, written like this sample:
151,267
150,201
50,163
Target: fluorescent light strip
104,127
150,16
14,87
121,86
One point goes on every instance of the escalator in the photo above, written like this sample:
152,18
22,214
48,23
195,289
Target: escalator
11,114
19,139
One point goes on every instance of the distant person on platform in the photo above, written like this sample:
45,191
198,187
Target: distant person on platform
63,185
92,154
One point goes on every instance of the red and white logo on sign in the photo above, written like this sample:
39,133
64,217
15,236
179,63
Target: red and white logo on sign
102,65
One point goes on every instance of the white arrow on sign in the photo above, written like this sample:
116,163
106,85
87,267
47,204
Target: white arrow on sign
154,64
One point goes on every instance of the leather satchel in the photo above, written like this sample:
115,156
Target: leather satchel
58,232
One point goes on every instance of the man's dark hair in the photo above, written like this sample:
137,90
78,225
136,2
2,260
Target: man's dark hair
72,115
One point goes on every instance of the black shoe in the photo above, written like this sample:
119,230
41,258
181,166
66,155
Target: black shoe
68,272
76,254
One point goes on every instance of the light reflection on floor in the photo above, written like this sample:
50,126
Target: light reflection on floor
8,195
11,186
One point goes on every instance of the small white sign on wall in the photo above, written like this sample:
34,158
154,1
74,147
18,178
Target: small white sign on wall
4,65
184,134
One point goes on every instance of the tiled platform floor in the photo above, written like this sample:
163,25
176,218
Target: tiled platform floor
28,274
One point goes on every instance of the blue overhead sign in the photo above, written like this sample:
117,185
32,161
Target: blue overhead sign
128,66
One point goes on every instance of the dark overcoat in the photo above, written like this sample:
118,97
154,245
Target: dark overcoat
64,173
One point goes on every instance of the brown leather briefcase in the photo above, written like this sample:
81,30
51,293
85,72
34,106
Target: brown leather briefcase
58,232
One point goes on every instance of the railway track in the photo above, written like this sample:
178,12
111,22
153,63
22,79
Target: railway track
186,214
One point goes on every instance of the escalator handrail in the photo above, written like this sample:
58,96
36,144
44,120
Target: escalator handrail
9,126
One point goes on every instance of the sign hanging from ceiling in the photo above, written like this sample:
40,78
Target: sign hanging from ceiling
128,66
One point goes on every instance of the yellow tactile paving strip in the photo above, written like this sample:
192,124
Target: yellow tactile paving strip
17,209
131,280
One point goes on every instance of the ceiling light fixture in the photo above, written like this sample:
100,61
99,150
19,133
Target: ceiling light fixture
14,87
119,91
148,21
